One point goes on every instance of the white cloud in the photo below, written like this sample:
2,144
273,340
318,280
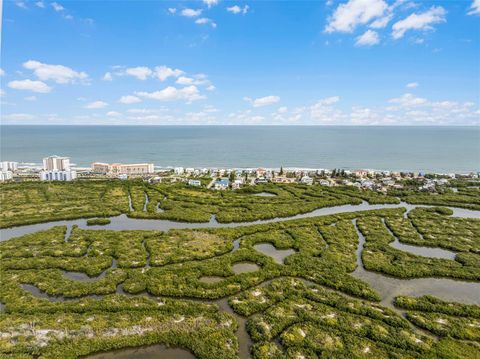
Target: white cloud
282,109
19,117
198,80
245,117
381,22
164,72
170,93
113,114
21,4
57,7
422,21
205,21
30,98
412,85
324,112
349,15
408,100
29,85
140,72
40,4
96,105
474,8
2,73
172,10
58,73
191,12
368,38
263,101
129,99
238,10
210,3
210,88
107,77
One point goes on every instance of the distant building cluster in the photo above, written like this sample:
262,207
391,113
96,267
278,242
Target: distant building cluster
57,168
7,169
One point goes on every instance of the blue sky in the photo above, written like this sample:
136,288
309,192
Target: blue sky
349,62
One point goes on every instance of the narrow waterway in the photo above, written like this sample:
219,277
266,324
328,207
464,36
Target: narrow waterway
123,222
390,287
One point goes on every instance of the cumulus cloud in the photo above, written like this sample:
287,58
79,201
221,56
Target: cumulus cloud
210,3
140,72
113,114
205,21
324,112
19,117
408,100
30,98
107,77
412,85
170,93
238,10
348,16
40,4
57,73
2,73
57,7
191,12
474,8
164,72
29,85
421,21
263,101
96,105
21,4
129,99
368,38
198,80
172,10
381,22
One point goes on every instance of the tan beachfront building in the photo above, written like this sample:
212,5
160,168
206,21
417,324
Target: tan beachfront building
119,168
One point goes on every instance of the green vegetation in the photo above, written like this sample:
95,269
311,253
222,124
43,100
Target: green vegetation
98,222
379,256
33,202
445,319
68,294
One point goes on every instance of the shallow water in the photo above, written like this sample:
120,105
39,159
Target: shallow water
429,252
147,352
245,267
389,287
123,222
270,250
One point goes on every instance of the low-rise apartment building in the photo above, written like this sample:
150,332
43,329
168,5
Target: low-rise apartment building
58,175
119,168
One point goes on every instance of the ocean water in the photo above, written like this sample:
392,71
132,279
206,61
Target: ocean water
434,149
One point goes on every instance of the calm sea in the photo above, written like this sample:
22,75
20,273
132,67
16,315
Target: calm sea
439,149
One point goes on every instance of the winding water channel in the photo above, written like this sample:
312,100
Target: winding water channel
123,222
387,287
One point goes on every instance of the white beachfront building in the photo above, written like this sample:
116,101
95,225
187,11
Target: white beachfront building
58,175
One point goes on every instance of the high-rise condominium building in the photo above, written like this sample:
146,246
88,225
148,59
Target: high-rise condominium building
56,163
